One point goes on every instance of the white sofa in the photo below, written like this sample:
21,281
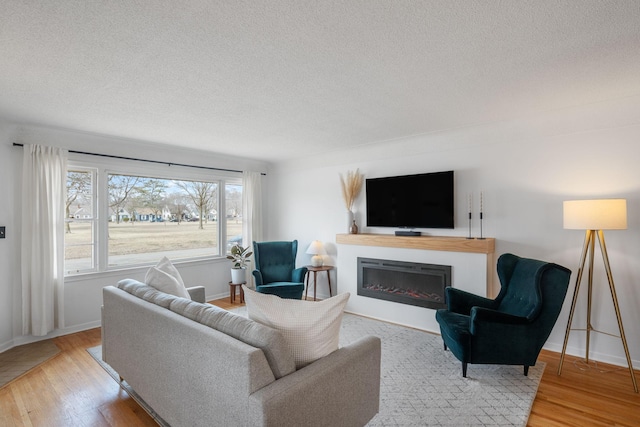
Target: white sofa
198,365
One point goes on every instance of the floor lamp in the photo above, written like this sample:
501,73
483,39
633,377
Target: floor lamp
594,216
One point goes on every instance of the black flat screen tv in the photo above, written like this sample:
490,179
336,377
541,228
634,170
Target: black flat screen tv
411,201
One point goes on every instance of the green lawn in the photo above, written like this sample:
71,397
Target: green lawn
148,237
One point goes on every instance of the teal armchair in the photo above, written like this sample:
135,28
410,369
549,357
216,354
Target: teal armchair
276,271
512,328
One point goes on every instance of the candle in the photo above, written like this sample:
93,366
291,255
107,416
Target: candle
481,201
469,203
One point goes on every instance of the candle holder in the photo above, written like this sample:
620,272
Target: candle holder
481,214
469,227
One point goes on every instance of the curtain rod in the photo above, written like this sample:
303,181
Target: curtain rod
15,144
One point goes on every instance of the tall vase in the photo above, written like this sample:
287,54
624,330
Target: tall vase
349,220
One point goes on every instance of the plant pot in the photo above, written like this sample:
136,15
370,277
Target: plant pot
238,275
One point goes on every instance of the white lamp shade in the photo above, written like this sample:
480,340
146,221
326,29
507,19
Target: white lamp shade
600,214
316,248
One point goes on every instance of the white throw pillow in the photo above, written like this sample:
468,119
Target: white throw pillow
165,278
311,328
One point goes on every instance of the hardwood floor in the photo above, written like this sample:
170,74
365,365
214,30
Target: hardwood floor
72,390
599,395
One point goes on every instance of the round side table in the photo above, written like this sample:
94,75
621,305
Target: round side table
232,291
314,270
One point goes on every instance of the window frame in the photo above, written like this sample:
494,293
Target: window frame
103,168
95,220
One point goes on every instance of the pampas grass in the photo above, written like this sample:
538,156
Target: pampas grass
351,187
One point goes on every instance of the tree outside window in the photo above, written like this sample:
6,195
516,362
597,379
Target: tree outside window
148,217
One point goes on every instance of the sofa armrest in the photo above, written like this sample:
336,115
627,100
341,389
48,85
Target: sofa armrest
342,389
484,321
461,302
258,277
197,294
297,275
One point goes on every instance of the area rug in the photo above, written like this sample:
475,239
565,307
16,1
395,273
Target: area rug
422,385
19,360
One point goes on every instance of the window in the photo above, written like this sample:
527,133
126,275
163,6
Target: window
234,218
147,217
233,194
80,221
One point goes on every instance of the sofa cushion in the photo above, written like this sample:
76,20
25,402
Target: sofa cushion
311,328
146,292
270,341
166,278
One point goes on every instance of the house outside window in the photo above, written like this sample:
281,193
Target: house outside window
146,218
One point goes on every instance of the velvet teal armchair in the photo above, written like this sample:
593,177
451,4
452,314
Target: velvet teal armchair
276,271
512,328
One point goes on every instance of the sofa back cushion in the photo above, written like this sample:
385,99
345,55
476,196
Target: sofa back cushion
269,340
165,277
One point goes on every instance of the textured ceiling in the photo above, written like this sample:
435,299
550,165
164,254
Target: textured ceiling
275,79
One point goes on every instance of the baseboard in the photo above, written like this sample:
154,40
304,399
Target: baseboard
405,325
217,296
28,339
593,355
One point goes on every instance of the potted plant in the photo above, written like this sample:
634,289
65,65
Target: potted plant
240,257
351,187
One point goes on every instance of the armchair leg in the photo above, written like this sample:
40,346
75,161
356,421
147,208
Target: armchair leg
464,369
445,346
526,370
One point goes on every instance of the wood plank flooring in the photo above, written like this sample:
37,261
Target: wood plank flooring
599,395
72,390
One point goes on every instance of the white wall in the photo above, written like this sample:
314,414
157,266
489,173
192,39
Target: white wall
8,257
525,168
83,294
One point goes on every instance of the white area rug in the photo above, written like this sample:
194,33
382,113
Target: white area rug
422,385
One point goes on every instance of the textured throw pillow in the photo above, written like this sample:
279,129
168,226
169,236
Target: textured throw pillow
165,278
311,328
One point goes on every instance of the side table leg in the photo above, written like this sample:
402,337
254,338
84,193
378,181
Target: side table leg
315,280
306,289
329,280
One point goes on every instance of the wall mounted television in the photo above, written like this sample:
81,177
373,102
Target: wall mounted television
411,201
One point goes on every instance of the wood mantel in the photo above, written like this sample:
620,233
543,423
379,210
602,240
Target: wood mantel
430,243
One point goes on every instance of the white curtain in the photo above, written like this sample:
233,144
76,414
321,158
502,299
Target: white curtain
43,205
251,210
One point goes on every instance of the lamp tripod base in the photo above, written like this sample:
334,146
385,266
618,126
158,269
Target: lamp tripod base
589,247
